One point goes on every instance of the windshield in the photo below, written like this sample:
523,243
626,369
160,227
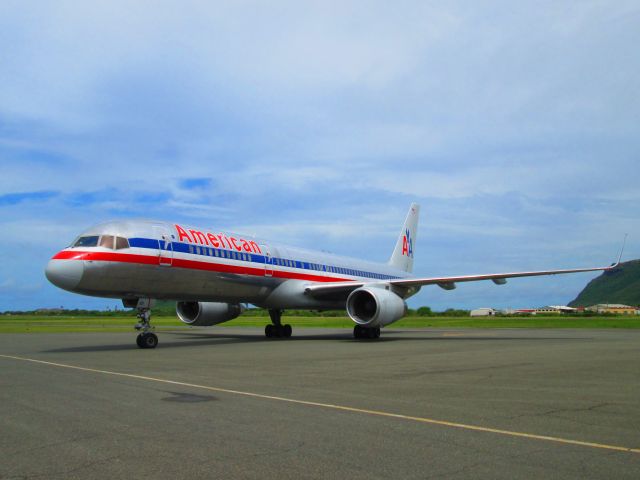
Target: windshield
89,241
106,241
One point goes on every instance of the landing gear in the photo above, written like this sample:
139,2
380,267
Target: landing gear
276,329
146,338
361,332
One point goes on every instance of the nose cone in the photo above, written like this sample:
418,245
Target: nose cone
65,274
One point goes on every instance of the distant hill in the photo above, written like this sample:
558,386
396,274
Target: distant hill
620,285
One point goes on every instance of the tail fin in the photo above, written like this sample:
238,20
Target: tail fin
402,256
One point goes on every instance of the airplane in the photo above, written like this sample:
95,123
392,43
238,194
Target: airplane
213,274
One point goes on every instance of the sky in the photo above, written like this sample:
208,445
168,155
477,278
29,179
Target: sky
515,126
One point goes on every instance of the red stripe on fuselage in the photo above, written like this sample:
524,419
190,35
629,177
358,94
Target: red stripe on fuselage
188,264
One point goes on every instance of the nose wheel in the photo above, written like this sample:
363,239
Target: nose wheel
146,338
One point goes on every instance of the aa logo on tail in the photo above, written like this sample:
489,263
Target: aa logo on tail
407,244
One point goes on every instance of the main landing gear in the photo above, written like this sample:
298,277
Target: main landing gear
146,338
361,332
276,329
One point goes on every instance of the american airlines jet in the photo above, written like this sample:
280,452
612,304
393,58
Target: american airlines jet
212,274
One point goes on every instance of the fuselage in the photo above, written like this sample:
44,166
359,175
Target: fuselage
135,259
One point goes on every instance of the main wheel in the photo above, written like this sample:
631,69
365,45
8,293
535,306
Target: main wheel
269,330
139,341
287,331
149,340
357,331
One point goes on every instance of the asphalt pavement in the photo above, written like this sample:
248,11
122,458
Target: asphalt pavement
227,402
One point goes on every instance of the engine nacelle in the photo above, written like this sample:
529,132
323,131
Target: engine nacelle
375,307
205,314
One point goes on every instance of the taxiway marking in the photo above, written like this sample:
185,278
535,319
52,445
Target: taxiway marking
343,408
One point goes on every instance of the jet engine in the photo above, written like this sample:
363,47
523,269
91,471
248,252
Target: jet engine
375,307
205,314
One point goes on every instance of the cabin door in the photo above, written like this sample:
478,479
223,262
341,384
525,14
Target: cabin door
165,245
268,261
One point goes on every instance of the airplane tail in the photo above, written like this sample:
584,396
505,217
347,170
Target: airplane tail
402,256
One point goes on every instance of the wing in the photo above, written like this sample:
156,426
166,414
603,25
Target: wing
448,283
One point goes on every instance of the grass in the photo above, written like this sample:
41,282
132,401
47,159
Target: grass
66,324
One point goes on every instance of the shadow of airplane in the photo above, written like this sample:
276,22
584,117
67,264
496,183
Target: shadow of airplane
195,339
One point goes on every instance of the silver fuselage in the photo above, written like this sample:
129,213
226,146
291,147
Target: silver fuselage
176,262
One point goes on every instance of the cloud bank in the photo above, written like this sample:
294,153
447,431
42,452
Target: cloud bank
515,126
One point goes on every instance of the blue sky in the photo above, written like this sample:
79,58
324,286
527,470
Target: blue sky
515,126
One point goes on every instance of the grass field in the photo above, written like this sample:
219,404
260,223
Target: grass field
65,324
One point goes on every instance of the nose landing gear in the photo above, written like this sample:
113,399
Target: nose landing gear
146,338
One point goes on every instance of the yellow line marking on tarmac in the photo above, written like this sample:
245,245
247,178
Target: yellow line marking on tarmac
343,408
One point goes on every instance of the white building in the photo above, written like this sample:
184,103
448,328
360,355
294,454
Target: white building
482,312
555,309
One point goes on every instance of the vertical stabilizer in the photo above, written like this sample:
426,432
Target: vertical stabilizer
402,257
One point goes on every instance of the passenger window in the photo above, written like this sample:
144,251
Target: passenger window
90,241
121,243
106,241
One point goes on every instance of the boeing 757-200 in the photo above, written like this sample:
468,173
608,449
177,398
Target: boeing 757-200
212,274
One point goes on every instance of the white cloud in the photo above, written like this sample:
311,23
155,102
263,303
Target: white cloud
515,127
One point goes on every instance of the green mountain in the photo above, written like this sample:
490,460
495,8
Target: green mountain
620,285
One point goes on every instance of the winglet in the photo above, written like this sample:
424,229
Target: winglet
624,242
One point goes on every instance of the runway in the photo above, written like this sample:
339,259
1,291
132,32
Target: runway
227,402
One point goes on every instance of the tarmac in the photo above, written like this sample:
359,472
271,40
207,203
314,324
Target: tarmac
229,403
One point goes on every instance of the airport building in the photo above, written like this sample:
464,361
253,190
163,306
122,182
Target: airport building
555,309
482,312
614,308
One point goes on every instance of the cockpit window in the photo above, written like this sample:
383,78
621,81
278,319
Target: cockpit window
89,241
106,241
121,243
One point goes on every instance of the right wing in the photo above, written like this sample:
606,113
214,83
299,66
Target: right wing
448,283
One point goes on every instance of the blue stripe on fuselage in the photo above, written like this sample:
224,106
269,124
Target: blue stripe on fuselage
191,249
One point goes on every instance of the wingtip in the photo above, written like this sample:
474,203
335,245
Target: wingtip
624,242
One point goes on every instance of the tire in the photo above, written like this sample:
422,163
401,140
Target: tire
268,331
287,331
139,341
357,331
149,340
